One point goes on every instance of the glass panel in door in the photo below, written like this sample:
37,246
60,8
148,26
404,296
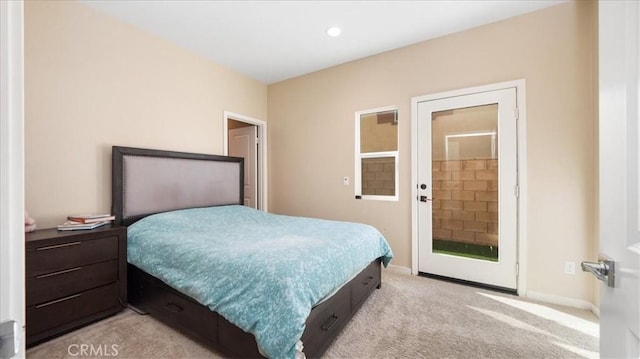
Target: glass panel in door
465,182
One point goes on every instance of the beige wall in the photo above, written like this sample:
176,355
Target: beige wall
92,82
311,123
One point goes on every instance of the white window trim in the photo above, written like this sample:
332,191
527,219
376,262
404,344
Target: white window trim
359,156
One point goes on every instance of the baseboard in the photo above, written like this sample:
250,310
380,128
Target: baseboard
556,299
542,297
399,269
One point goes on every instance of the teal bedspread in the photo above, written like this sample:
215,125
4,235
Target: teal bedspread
262,272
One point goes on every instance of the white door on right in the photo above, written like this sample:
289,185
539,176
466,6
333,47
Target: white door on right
467,194
619,177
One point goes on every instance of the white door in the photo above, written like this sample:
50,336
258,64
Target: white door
619,176
12,302
243,143
467,177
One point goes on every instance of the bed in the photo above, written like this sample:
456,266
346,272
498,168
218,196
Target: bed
245,282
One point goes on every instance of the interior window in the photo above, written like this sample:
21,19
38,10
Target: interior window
376,172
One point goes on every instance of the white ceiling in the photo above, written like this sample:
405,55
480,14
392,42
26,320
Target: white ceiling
272,41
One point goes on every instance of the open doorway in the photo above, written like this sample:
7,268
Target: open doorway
247,138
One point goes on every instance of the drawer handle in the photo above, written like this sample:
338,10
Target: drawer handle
174,307
329,322
58,300
368,281
58,272
58,246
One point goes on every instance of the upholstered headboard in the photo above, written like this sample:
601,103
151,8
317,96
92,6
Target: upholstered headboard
146,181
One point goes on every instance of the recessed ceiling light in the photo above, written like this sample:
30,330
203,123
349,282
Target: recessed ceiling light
334,31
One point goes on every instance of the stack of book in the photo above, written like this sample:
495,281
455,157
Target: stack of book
86,221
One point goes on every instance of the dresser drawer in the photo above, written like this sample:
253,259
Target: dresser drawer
365,283
51,258
68,309
62,283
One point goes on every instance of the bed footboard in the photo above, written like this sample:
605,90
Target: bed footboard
186,315
328,319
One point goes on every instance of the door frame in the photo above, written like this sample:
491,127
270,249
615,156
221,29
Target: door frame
249,133
521,244
12,279
262,152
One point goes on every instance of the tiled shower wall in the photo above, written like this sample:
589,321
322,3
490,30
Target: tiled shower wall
465,201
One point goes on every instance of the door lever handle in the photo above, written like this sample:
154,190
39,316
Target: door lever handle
604,270
425,199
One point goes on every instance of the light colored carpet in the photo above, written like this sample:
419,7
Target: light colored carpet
410,317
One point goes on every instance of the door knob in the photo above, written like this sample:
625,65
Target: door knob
425,199
604,270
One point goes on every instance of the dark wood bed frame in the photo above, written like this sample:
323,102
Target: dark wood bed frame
152,296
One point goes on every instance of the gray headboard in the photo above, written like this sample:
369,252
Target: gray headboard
146,181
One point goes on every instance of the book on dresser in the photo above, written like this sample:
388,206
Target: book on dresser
86,221
91,218
73,278
72,226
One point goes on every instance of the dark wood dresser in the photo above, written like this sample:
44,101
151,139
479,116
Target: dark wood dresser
73,278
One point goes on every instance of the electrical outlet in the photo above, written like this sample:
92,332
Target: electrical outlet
570,267
345,180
